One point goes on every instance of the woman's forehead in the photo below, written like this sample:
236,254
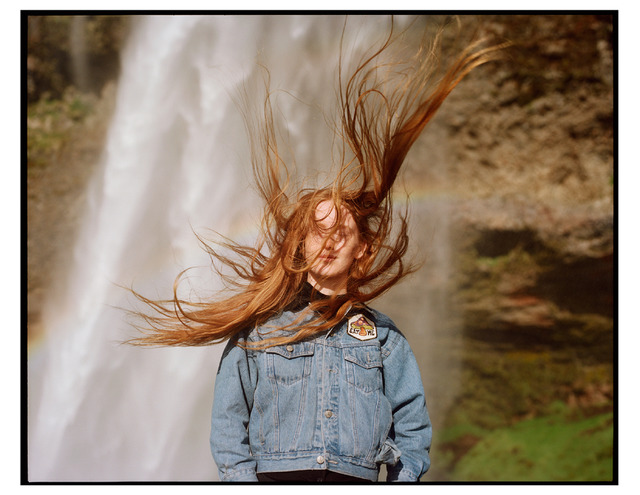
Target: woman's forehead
326,214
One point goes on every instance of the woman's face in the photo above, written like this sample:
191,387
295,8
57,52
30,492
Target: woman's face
330,270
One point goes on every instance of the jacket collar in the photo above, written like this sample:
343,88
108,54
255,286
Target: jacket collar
306,295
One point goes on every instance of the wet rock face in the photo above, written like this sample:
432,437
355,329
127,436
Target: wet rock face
532,177
545,285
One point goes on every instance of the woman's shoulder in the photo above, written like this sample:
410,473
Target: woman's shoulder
381,320
382,326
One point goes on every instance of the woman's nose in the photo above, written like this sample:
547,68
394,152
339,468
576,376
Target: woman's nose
335,241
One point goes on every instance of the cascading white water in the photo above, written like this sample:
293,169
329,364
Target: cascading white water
176,158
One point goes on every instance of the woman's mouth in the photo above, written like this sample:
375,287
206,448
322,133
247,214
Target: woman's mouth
327,257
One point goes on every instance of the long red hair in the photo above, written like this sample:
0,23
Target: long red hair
384,106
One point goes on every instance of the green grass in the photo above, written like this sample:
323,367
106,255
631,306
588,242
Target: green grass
551,448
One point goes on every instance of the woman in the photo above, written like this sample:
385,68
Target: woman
314,385
330,407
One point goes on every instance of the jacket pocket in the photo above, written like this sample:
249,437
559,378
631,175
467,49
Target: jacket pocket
288,364
364,367
389,453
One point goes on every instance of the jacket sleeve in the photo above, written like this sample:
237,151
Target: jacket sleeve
411,429
232,404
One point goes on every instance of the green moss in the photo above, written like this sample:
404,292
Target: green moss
550,448
501,388
460,430
51,123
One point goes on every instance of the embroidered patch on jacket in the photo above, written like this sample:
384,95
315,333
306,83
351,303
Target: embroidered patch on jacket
362,328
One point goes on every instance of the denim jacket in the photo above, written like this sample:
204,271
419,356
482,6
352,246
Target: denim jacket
347,401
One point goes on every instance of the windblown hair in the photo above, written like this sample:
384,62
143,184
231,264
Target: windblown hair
384,105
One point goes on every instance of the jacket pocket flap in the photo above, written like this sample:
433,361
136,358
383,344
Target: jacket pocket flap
291,351
366,356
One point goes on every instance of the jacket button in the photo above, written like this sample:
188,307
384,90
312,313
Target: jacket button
320,459
328,414
290,348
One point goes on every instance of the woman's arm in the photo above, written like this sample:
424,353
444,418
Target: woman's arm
232,404
411,430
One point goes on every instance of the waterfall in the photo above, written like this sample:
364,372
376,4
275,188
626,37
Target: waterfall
78,49
176,161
